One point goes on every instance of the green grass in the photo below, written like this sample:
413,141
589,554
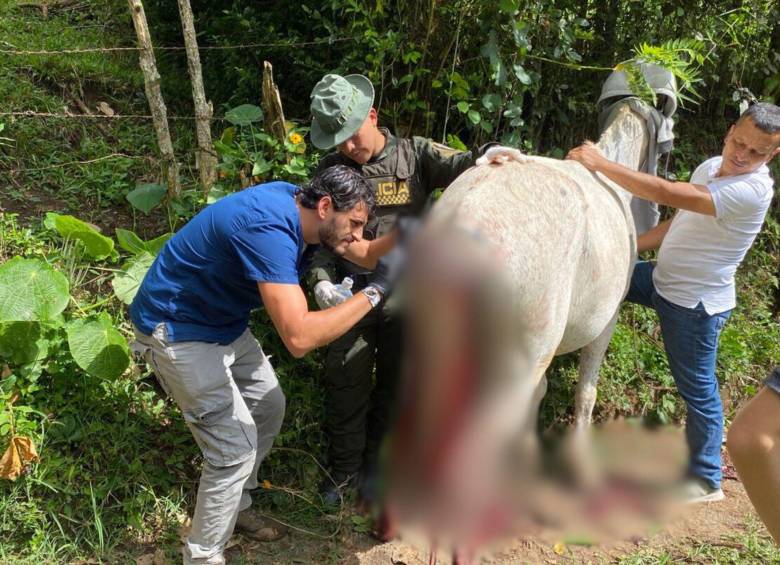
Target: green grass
753,545
47,159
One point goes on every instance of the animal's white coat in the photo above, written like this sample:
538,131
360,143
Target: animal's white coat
567,244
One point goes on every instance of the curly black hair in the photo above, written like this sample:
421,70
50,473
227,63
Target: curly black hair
343,184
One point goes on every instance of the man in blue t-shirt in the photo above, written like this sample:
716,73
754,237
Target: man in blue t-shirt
191,316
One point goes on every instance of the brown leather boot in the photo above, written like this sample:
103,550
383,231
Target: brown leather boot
261,528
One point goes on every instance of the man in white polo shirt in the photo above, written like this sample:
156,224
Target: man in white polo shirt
720,212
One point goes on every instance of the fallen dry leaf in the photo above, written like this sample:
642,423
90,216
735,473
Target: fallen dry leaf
6,372
20,452
105,109
184,528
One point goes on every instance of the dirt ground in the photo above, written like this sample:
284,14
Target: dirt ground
714,523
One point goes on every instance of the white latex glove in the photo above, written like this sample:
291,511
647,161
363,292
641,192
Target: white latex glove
501,154
326,295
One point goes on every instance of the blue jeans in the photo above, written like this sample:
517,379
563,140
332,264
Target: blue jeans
691,341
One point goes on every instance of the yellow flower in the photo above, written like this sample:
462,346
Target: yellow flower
266,484
296,138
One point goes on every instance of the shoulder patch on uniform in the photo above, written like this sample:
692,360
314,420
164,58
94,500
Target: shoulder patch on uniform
445,150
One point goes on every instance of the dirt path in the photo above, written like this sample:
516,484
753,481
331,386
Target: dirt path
715,524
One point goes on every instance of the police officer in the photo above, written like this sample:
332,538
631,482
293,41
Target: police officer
403,172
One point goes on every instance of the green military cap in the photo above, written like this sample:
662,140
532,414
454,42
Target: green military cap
339,106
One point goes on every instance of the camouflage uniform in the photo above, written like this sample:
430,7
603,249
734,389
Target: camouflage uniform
358,408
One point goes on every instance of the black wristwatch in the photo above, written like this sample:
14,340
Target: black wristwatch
373,294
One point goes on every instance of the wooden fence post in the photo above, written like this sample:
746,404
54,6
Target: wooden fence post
154,96
206,159
272,105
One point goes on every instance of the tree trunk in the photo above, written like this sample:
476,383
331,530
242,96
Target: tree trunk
206,159
154,96
272,105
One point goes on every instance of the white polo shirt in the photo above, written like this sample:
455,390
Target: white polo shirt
700,254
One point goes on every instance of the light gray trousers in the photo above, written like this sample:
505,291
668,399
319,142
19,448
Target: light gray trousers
233,405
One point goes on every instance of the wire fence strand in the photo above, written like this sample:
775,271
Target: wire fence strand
22,52
36,114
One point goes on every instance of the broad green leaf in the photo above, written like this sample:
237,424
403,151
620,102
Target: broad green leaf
455,142
521,74
127,281
491,102
129,241
96,245
216,193
97,347
6,386
260,167
490,50
48,221
31,290
244,115
463,106
30,372
154,246
146,196
474,117
520,35
22,342
514,110
228,135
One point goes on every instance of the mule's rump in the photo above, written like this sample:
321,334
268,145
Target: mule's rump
563,237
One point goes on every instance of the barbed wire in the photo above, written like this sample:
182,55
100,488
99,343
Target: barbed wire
36,114
172,47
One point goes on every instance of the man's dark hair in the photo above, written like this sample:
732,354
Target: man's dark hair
766,116
343,184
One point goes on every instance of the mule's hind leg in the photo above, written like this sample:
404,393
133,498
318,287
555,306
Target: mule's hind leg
583,465
591,357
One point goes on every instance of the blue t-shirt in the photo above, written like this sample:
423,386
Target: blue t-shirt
203,284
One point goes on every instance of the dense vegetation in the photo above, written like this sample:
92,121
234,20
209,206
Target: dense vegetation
117,466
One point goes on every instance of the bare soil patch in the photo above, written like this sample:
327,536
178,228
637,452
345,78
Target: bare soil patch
714,523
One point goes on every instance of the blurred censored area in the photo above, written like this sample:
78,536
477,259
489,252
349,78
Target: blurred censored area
464,463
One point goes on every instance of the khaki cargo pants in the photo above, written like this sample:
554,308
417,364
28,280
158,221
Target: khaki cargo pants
234,407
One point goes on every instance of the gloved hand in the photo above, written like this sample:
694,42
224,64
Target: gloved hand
388,269
326,295
502,154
